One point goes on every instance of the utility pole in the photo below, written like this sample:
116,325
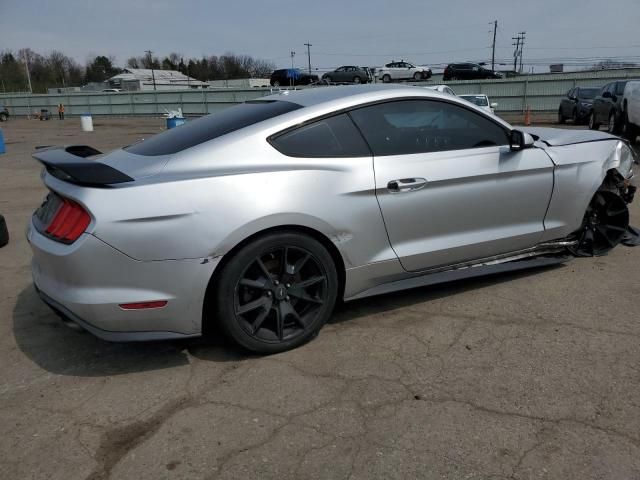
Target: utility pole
26,66
521,47
309,55
516,52
153,76
493,46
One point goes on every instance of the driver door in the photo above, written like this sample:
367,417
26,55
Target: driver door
448,185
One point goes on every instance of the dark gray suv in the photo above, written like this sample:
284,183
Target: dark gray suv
348,74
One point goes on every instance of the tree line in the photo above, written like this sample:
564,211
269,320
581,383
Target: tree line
56,69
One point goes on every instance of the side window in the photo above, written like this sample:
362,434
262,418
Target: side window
620,88
422,126
330,137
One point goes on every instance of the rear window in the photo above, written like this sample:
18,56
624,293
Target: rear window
331,137
211,126
479,100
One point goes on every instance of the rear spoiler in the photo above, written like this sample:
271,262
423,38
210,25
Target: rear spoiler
73,164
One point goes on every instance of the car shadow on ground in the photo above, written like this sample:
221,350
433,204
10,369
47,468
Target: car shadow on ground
58,349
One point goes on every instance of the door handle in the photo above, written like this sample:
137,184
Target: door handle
406,185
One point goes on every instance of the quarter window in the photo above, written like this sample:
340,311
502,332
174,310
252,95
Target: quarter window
420,126
334,136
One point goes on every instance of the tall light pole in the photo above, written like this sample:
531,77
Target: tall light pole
153,77
493,46
293,54
26,66
309,55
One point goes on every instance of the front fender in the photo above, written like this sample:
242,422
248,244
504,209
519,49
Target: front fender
579,171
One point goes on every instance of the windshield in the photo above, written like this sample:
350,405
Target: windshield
479,100
211,126
588,92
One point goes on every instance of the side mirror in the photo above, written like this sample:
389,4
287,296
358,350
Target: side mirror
519,140
494,105
606,95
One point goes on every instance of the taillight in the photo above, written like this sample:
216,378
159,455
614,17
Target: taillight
68,223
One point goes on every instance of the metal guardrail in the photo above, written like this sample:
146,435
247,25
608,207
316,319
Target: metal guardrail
540,92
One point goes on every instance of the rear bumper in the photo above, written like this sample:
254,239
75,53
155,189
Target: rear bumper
87,281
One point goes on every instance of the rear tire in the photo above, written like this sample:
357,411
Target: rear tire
276,292
3,117
357,80
386,78
276,83
613,126
417,76
592,122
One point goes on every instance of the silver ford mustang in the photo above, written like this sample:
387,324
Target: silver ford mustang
260,217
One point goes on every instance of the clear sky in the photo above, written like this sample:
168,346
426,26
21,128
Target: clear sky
371,32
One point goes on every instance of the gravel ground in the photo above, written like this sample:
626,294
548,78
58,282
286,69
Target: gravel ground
517,376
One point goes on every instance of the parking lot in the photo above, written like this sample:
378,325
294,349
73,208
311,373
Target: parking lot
518,376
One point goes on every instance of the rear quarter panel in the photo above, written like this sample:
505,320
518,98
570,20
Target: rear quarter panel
211,197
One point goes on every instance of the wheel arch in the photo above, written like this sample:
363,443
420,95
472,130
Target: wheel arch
323,239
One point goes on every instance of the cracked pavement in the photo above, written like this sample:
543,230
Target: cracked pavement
519,376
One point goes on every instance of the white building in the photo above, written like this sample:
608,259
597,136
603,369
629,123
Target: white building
144,79
240,83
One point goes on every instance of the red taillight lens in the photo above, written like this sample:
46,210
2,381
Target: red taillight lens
69,222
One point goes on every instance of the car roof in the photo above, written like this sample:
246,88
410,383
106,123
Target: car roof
347,96
314,96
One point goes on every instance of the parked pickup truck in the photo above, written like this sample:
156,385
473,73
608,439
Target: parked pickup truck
631,109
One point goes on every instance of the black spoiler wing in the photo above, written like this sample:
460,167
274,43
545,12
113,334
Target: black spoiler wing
73,164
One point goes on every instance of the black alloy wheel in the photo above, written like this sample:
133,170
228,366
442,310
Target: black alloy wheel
276,293
605,223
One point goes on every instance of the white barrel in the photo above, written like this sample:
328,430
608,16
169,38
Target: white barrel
86,122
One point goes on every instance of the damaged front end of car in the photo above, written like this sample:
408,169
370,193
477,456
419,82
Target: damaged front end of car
606,221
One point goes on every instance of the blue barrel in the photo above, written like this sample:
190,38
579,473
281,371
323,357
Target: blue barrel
175,122
2,148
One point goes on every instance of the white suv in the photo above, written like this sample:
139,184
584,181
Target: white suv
403,71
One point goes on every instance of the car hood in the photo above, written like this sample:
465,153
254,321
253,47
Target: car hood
555,137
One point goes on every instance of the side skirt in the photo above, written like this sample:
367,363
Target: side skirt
472,271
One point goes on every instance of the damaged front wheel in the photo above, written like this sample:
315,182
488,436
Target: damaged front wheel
605,223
